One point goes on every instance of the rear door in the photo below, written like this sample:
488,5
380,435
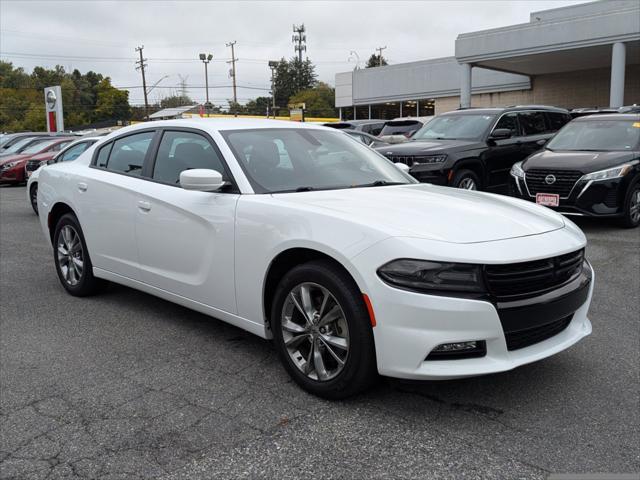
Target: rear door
185,238
535,131
108,197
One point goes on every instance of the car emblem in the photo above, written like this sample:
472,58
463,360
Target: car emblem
550,179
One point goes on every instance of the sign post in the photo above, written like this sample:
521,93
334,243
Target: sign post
53,105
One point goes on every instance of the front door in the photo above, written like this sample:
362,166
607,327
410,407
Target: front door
186,238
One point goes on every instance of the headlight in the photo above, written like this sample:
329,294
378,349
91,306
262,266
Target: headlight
431,159
517,170
615,172
434,277
9,165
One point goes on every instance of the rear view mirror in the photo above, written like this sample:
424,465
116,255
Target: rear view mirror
500,134
201,179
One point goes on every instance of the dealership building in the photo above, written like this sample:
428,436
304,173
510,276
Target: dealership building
585,55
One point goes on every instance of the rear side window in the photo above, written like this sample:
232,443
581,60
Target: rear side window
126,154
557,120
532,123
180,151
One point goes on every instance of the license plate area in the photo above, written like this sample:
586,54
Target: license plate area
548,199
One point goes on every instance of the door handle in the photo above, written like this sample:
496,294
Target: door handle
82,187
144,206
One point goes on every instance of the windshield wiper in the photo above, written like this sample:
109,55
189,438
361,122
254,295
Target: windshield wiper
379,183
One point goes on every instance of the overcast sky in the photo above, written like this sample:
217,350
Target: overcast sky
102,36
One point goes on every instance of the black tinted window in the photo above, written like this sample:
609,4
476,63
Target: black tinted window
127,154
557,120
508,121
532,123
181,151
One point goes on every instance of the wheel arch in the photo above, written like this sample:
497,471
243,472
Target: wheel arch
287,259
471,163
55,213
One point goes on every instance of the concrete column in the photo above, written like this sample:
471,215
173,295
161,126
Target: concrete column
616,93
340,113
401,109
369,112
465,86
355,117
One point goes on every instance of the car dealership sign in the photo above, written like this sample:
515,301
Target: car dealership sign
53,105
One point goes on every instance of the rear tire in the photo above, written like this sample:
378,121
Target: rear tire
333,354
72,260
466,180
33,196
631,218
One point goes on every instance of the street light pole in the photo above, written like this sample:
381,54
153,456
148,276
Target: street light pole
206,58
273,65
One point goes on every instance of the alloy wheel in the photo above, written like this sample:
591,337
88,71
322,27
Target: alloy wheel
70,255
315,332
467,183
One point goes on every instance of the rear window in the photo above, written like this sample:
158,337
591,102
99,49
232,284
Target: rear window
401,127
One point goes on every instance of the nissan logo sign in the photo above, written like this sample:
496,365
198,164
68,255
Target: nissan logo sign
51,99
550,179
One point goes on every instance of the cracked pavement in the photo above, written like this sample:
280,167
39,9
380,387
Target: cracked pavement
124,385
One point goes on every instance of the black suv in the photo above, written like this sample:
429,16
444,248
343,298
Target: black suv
475,148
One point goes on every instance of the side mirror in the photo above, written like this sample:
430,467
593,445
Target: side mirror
202,179
500,134
402,167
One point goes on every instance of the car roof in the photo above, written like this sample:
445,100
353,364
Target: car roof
511,108
610,116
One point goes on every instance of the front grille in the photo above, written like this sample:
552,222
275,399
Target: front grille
32,165
408,160
564,181
530,336
532,278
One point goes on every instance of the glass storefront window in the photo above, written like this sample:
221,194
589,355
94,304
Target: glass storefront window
426,107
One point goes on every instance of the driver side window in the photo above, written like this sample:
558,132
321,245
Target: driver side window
508,121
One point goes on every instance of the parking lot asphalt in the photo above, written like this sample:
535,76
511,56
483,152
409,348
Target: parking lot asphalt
125,385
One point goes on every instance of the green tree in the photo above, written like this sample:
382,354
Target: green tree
319,101
375,61
258,106
292,77
176,101
112,104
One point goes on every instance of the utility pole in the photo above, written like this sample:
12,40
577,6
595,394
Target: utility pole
232,72
273,65
299,39
183,85
141,66
379,50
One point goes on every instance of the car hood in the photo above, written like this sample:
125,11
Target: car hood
13,158
43,156
431,212
585,162
417,147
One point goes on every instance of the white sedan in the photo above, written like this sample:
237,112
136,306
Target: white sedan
301,234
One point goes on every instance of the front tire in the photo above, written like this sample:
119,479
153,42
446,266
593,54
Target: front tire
466,180
33,196
72,260
631,218
322,331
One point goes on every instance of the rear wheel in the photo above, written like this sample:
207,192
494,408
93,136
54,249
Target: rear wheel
72,260
466,180
631,218
322,331
33,196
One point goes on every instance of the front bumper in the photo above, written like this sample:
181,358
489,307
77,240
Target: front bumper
602,198
13,175
410,325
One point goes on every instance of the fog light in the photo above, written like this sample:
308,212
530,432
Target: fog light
459,350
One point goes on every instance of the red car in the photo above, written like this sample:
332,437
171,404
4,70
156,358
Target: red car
12,166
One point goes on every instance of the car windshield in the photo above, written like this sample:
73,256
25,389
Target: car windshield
38,146
597,135
18,145
455,127
300,159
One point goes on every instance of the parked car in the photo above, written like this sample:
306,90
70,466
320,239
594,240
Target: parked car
32,168
371,126
399,130
10,139
368,140
475,148
12,167
591,167
300,234
582,112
